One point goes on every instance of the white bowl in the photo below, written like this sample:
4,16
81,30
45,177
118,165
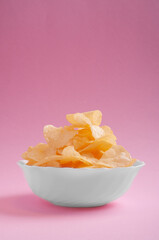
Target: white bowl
79,187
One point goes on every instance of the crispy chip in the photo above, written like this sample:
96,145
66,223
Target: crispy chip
100,165
80,142
107,130
85,119
74,164
39,152
92,132
109,134
117,156
97,165
90,157
70,152
94,116
31,162
51,160
100,144
78,120
59,151
51,164
26,156
58,137
97,132
84,144
85,132
110,139
70,155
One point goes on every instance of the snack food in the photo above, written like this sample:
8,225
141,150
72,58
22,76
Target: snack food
82,144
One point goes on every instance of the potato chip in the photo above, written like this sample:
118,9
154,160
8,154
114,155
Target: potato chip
74,164
70,155
51,160
80,145
70,152
80,142
100,165
85,132
99,144
31,162
90,157
58,137
85,119
95,155
117,156
92,132
97,165
110,139
94,116
59,151
40,151
98,154
25,155
51,164
97,132
78,120
109,134
107,130
96,147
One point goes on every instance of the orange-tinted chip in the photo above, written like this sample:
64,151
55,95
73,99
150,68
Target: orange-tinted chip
117,156
109,134
97,132
85,132
78,120
39,152
49,161
94,116
80,142
58,137
96,147
92,132
100,144
85,119
71,156
83,144
31,162
51,164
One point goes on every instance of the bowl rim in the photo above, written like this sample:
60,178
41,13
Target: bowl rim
137,164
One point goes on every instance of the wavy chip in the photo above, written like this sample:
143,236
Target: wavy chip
40,151
92,132
100,144
78,120
49,161
58,137
83,144
117,156
80,142
85,119
97,132
94,116
97,147
109,134
71,156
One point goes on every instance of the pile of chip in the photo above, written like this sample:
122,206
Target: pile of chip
83,144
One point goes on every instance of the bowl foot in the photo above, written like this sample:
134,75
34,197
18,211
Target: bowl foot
78,205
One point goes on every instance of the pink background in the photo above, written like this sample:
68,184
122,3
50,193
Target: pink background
66,56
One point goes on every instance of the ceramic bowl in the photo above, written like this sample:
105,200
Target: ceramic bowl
79,187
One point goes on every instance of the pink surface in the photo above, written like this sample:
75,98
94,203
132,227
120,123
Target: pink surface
61,57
